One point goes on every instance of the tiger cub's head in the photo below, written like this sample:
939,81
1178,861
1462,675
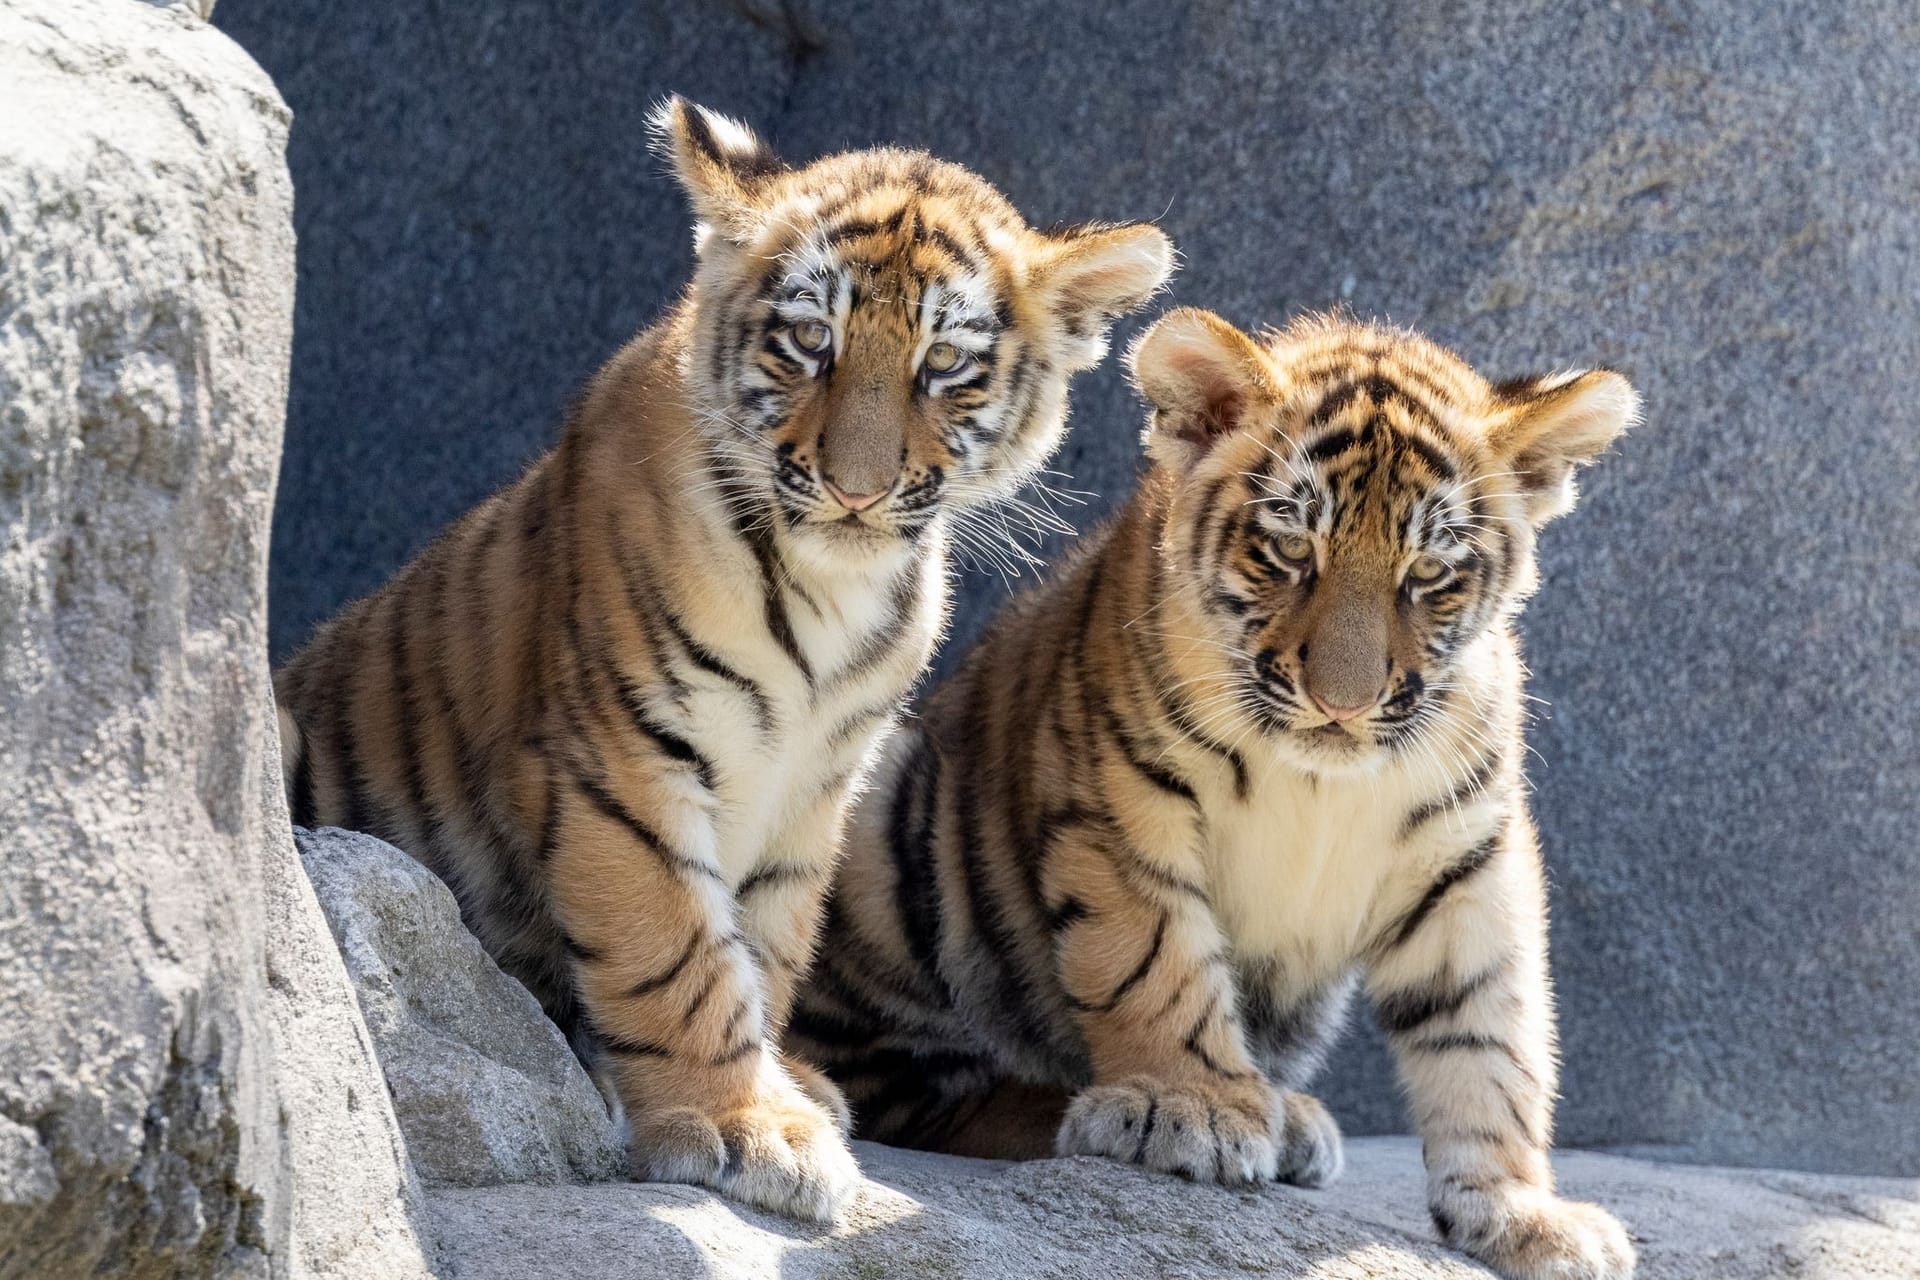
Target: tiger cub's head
878,335
1352,506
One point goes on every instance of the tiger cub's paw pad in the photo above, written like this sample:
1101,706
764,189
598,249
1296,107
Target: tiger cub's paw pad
1308,1141
1532,1235
1197,1132
782,1154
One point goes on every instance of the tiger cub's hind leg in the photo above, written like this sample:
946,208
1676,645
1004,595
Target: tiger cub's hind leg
1010,1122
1291,1032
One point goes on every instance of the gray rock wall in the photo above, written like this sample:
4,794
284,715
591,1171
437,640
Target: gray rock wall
1716,197
186,1088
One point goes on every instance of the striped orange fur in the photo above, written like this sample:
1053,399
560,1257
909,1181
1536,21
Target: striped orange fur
621,707
1259,739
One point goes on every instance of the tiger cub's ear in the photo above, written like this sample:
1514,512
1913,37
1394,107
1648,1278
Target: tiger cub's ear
1094,273
1550,426
1204,378
723,167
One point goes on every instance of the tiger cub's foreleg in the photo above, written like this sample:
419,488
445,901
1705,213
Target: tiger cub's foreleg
781,902
681,1009
1461,990
1144,968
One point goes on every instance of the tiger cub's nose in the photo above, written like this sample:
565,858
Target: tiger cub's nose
854,501
1334,711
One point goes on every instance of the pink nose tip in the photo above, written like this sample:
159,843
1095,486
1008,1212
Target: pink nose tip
1334,712
853,501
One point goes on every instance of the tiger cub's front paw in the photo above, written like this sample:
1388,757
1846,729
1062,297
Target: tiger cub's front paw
1200,1130
780,1151
1527,1233
1307,1141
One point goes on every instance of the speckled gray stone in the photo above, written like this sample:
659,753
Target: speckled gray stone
484,1086
1717,198
945,1218
186,1088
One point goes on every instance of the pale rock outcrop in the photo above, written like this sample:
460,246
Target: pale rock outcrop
485,1086
186,1088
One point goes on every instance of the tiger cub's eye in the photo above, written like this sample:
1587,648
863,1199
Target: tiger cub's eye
1427,569
943,357
813,336
1294,548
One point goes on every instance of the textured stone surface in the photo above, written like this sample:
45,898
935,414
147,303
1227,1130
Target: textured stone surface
179,1051
1718,198
484,1086
938,1216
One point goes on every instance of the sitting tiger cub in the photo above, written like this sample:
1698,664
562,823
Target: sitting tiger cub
620,708
1110,894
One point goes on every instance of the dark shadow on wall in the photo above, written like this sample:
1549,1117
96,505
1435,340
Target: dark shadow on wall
1717,199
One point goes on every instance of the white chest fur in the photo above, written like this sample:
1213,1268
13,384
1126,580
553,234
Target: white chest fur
1308,868
1299,868
778,766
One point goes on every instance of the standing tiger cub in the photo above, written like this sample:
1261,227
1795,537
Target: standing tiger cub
620,707
1262,736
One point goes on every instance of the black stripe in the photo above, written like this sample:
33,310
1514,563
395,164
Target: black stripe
774,605
632,1048
952,246
1474,859
406,716
881,642
745,1049
1132,980
916,887
1163,778
1333,403
301,792
665,740
1473,787
1146,649
471,765
646,986
1332,445
356,813
1193,1046
1131,863
550,818
1204,513
1436,461
996,938
699,1001
1404,1011
1070,912
1459,1042
672,859
853,966
860,228
771,874
643,595
1146,1126
860,721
